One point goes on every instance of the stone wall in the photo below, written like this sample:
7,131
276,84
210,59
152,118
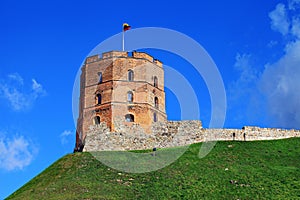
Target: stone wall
171,134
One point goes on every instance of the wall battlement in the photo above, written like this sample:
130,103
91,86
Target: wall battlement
123,54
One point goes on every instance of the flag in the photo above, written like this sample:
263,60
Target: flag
126,27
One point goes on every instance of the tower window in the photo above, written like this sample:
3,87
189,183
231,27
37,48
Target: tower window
155,81
129,96
129,118
155,117
156,102
100,77
99,99
96,120
130,75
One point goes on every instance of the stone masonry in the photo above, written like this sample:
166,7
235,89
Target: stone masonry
174,133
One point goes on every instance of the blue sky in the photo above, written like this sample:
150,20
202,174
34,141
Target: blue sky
255,44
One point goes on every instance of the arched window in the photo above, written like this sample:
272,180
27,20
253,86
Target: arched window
129,96
155,81
99,98
100,77
155,117
130,75
156,102
96,120
129,118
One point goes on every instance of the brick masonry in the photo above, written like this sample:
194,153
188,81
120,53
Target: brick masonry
146,87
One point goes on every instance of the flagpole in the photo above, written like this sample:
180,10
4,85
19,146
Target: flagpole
123,42
125,28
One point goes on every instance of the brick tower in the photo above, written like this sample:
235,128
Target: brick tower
120,87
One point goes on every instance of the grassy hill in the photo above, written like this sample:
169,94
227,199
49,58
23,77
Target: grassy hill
232,170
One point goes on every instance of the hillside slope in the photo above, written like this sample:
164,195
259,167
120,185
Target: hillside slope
232,170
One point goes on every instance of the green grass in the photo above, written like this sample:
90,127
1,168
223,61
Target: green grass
259,170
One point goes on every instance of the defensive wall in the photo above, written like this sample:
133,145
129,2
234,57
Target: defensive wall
173,133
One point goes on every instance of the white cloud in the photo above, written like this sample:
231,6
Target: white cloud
274,91
285,20
16,153
293,4
19,97
16,99
272,43
242,93
37,89
67,136
280,83
246,82
279,19
295,30
36,86
17,78
247,70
